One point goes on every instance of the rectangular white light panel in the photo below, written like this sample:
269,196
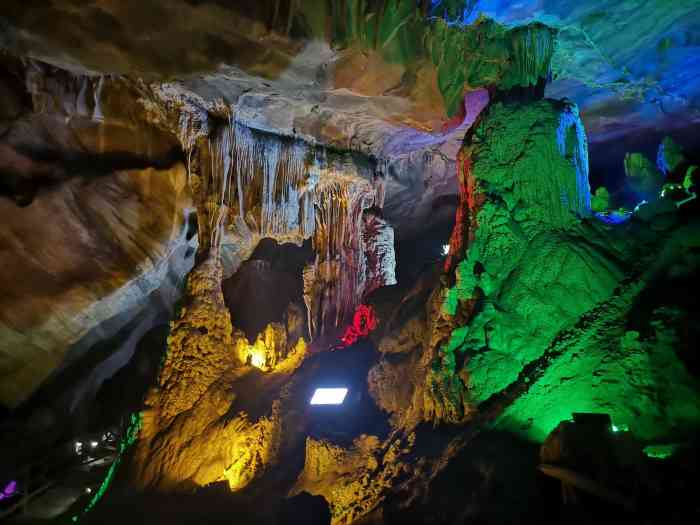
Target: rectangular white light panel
329,396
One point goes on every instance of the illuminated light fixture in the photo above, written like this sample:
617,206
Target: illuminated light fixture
93,444
620,428
445,249
9,490
660,451
88,490
78,447
257,360
329,396
636,208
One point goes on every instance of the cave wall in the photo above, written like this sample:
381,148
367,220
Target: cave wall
83,252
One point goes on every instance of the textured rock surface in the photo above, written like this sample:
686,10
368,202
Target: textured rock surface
519,189
538,282
627,65
353,480
335,126
193,432
83,252
642,176
533,327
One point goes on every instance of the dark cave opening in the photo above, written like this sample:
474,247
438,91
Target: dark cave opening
423,252
264,285
358,414
607,159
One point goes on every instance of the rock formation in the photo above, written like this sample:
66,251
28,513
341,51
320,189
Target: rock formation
213,211
93,249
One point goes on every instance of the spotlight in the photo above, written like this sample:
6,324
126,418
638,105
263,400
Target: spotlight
636,208
329,396
88,490
93,444
257,360
78,447
620,428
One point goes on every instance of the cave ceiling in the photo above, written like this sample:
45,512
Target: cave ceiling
304,72
628,65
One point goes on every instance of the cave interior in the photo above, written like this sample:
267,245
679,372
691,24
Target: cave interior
477,220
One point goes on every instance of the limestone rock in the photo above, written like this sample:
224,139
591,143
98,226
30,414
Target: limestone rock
524,179
200,346
601,200
669,157
94,248
355,480
378,241
192,433
642,176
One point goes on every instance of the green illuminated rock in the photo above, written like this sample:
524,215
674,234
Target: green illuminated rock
690,182
481,54
601,200
642,175
544,295
639,381
670,156
486,54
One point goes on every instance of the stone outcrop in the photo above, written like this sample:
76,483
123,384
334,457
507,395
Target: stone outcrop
251,185
536,323
192,433
533,327
521,179
642,176
353,480
84,252
600,60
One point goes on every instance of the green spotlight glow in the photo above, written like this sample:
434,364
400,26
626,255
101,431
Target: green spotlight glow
660,451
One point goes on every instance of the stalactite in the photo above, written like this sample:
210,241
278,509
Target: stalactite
532,48
573,144
189,129
97,114
254,185
378,239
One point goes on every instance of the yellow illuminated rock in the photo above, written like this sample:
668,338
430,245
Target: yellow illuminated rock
193,433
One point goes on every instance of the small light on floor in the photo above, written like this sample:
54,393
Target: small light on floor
257,360
329,396
636,208
620,428
88,490
445,249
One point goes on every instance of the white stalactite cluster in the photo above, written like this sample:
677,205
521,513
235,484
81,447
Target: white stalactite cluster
254,185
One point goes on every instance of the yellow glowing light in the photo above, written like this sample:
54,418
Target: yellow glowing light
257,360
